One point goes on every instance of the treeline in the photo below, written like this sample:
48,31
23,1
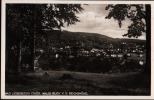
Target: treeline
91,64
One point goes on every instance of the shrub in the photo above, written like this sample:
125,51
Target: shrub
66,76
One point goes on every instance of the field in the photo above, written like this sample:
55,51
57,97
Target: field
134,83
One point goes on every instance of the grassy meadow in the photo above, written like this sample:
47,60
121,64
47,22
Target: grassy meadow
134,83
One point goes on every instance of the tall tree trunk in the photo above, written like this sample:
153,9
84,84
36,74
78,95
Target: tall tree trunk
18,57
148,39
31,68
6,61
33,39
7,55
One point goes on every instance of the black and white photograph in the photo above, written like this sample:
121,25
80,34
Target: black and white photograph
77,49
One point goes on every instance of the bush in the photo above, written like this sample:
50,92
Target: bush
66,76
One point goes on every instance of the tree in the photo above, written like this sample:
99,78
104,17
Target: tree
17,32
140,15
26,20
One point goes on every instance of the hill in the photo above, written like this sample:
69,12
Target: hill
88,52
81,39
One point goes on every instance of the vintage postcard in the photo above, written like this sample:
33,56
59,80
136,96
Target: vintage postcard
77,49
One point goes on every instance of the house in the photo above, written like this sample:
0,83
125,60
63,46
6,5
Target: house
120,55
140,55
107,55
95,50
57,55
141,51
67,47
118,49
71,56
113,55
134,55
103,50
134,51
128,54
60,49
124,43
53,48
141,62
98,54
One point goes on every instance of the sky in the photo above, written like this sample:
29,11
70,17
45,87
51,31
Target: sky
92,20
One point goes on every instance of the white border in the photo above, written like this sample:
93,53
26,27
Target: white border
72,97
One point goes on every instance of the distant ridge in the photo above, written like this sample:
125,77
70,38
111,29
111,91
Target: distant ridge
93,40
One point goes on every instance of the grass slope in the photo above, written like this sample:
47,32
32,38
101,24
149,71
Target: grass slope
91,83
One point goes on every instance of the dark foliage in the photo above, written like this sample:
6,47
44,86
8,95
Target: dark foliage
25,21
136,13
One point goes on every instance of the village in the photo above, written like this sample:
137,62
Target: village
129,51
